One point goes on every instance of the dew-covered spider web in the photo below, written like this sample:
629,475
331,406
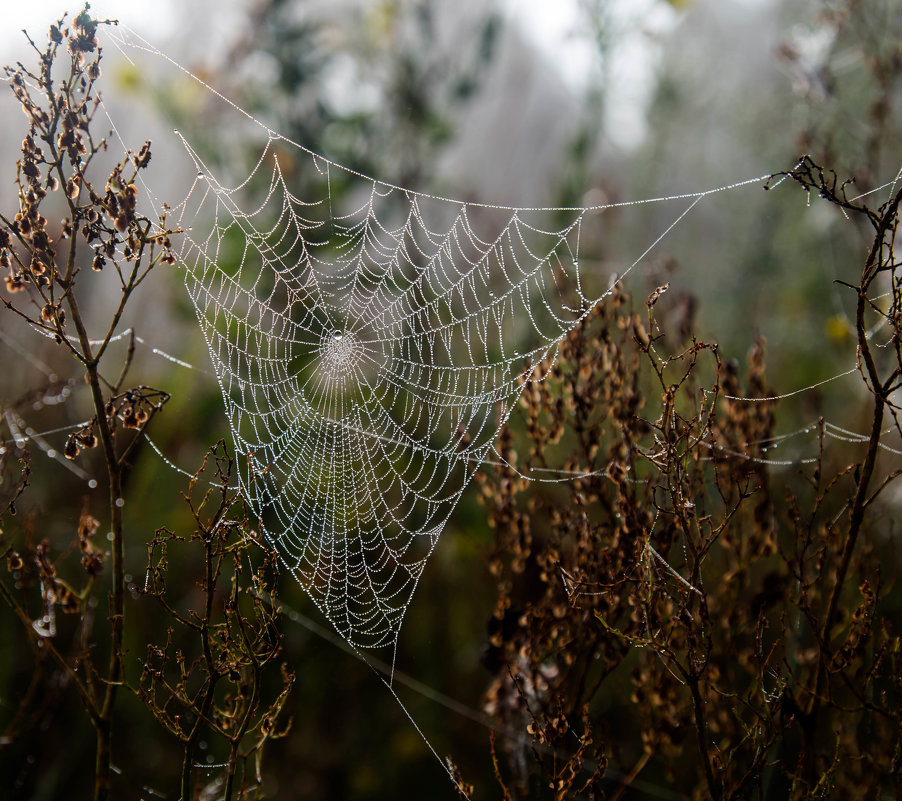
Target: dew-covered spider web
367,360
369,342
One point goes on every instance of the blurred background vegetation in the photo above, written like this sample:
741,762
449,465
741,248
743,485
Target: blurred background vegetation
461,99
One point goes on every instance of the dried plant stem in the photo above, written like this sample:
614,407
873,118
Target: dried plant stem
213,673
104,718
698,711
117,603
884,225
44,266
855,522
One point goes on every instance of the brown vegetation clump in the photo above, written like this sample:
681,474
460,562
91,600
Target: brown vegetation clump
70,592
687,613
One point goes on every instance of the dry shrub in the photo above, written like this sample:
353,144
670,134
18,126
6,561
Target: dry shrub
686,617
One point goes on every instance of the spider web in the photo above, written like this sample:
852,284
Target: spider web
367,361
369,354
368,357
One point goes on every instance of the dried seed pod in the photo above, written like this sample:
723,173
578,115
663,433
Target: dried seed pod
72,449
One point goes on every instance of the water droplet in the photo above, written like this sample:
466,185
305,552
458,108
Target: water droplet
120,502
51,453
338,336
109,536
92,484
